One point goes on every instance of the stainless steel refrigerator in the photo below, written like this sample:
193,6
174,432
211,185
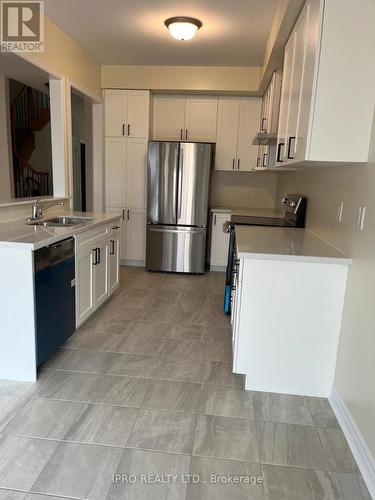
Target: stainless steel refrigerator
178,178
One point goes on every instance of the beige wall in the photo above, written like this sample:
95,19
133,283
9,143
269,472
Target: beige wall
325,188
243,189
183,78
65,57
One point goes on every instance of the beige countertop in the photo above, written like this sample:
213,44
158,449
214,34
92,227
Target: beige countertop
278,243
255,212
17,234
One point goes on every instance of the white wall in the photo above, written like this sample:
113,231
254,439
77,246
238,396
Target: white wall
325,188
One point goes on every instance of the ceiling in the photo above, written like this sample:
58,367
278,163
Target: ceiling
234,32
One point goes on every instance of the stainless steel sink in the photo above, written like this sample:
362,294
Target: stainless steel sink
61,221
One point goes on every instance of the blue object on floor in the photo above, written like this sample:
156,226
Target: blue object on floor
227,296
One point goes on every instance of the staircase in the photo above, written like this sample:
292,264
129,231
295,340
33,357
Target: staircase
30,113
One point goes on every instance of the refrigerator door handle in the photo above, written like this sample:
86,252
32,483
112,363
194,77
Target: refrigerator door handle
184,231
180,182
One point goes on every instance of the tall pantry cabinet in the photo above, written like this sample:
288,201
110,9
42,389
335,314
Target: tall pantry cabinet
126,138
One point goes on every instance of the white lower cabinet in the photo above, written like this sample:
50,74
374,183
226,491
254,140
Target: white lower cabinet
97,268
85,304
219,240
114,261
132,234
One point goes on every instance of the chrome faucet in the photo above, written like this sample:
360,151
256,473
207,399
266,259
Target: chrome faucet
39,208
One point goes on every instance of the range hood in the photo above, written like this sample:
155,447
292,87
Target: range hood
265,139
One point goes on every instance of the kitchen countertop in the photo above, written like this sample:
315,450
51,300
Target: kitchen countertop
290,244
18,234
255,212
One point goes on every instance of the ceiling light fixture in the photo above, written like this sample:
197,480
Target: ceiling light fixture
183,28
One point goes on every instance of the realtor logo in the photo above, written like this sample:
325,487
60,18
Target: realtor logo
22,26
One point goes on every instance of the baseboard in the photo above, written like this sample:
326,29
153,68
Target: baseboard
360,450
133,263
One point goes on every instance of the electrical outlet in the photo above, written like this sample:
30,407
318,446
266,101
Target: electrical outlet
340,209
361,217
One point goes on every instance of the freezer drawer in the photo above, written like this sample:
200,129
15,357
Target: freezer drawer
176,249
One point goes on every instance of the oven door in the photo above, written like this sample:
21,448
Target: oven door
230,268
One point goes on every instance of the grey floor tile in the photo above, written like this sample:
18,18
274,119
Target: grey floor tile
97,341
31,496
226,402
217,373
216,333
139,463
22,459
151,329
44,418
187,332
168,395
103,424
135,365
290,444
104,323
79,470
12,495
285,408
80,360
337,450
222,437
219,351
68,386
163,431
288,483
322,413
24,389
9,406
134,344
212,485
183,348
170,368
127,313
351,486
113,390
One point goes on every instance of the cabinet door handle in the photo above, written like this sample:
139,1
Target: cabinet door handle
215,220
123,129
281,144
264,128
116,227
97,251
290,147
128,128
258,160
182,131
186,134
112,250
123,214
128,214
95,257
238,163
265,159
233,163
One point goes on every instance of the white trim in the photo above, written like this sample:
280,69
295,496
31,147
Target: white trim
360,450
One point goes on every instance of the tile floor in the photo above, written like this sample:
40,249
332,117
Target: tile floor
144,390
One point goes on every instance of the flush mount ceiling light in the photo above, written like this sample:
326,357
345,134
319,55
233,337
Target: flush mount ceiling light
183,28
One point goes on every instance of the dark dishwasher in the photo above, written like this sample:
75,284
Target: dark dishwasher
54,268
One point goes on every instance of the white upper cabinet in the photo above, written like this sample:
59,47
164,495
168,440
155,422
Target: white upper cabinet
237,124
178,118
169,118
200,119
127,113
227,133
327,99
247,153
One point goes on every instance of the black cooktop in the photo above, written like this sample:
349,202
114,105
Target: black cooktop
248,220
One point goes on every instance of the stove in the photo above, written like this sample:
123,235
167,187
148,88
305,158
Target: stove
294,216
